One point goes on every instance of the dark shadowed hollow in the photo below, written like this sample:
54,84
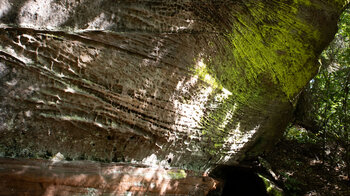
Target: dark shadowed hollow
238,181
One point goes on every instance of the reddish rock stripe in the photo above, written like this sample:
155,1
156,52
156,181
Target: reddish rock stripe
43,177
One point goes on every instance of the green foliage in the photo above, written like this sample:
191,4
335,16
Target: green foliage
300,135
271,188
291,184
329,100
330,88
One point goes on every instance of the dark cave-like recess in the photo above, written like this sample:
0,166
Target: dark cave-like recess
238,181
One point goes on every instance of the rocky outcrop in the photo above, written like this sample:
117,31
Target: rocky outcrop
190,84
39,177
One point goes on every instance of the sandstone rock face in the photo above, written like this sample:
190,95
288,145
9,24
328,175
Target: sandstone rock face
185,83
39,177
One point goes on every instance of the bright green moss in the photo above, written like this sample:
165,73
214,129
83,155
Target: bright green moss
267,55
267,50
271,188
204,74
179,174
305,2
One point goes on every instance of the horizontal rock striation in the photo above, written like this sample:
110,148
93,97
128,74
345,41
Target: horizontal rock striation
39,177
185,83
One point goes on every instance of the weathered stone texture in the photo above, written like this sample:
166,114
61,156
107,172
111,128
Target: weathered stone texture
183,83
38,177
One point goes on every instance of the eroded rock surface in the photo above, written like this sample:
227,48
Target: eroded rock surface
39,177
183,83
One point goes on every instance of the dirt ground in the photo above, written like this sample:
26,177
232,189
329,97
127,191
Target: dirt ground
299,170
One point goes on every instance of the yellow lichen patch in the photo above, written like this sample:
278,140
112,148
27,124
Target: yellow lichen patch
305,2
177,174
274,49
203,74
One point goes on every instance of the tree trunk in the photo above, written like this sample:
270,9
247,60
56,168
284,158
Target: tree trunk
190,84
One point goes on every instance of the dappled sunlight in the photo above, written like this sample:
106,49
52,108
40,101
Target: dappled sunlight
5,7
69,90
50,190
190,111
48,12
57,157
151,160
244,137
189,25
236,140
220,126
19,57
169,84
228,118
97,91
99,22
